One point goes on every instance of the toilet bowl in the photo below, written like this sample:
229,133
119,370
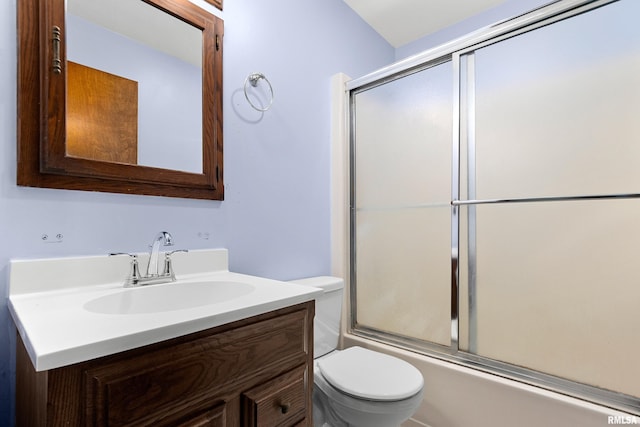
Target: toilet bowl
356,387
360,387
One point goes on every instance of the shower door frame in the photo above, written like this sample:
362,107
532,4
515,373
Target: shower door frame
460,54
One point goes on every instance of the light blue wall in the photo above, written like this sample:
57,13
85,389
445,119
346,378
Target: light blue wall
275,218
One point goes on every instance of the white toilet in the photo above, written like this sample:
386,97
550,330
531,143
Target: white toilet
356,387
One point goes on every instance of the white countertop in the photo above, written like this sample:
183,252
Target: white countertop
58,330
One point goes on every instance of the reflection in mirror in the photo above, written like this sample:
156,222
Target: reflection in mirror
140,71
102,115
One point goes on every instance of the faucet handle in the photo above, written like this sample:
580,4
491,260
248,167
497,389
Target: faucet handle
123,253
168,265
177,250
133,279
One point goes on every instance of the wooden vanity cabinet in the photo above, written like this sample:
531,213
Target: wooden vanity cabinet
254,372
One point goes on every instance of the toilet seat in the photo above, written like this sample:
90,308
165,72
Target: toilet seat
370,375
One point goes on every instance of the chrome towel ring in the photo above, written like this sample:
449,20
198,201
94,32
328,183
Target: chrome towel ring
253,79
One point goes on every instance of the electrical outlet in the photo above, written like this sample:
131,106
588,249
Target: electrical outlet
57,238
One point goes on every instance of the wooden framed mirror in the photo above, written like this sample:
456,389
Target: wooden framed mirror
98,115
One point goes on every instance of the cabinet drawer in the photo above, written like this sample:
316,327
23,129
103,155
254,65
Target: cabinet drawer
280,402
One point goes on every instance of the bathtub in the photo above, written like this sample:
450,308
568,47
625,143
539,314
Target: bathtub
458,396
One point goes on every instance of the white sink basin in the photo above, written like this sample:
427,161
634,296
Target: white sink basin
70,310
168,297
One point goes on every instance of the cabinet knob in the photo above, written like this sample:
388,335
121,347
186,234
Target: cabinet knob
284,407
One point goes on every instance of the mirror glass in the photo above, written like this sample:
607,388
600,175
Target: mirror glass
134,85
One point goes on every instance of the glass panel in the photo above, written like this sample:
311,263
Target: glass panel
403,141
558,291
557,108
402,272
403,215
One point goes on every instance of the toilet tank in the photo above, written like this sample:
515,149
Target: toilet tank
326,324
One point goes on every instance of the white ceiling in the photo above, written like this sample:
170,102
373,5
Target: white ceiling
403,21
160,30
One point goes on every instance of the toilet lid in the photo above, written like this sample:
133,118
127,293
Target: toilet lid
371,375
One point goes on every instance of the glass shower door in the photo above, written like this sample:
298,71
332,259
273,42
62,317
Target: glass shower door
495,203
552,236
401,211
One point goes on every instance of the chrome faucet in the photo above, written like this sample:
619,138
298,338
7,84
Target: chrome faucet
167,240
153,275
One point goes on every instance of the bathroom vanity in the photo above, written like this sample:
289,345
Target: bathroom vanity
254,372
244,360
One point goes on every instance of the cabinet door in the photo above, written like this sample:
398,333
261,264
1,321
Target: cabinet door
280,402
